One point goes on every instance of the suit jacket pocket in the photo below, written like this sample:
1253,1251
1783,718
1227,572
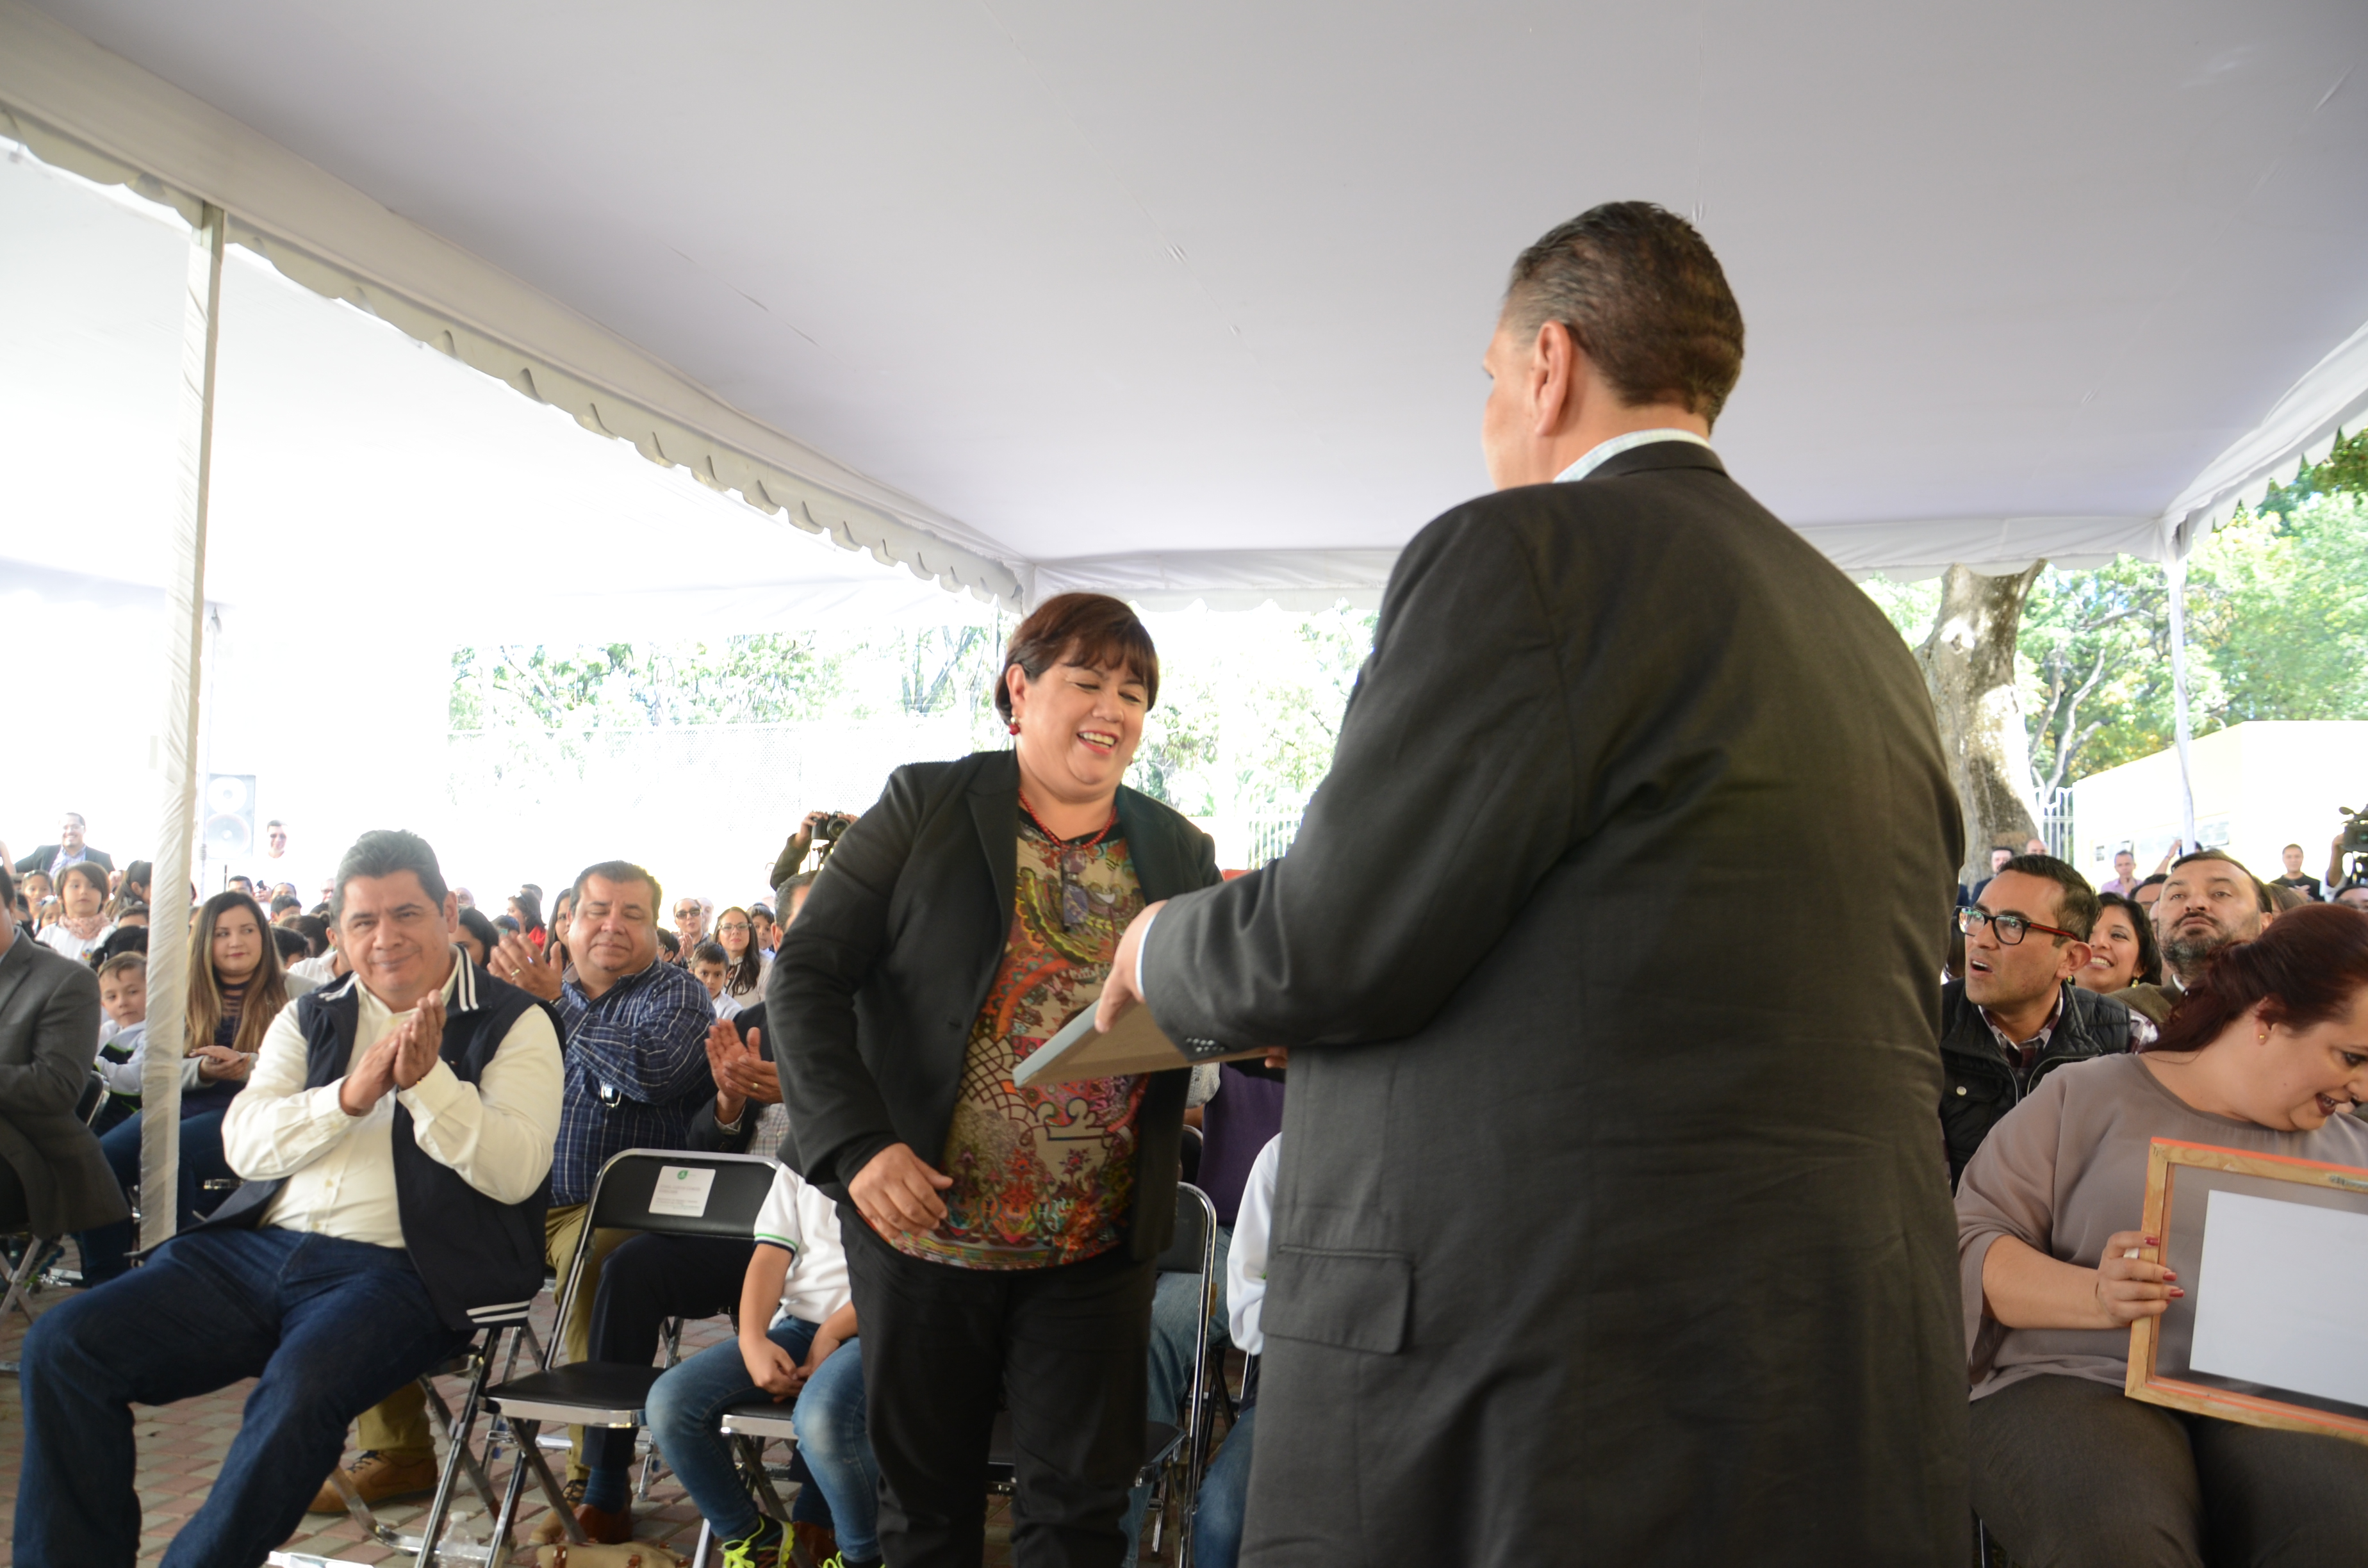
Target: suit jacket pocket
1357,1300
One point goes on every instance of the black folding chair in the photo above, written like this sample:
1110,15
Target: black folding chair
665,1190
37,1247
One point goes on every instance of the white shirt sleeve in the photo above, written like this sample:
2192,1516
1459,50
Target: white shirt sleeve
499,1134
1143,952
777,1220
276,1126
1245,1261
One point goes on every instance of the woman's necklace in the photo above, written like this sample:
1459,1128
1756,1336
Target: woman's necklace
1076,904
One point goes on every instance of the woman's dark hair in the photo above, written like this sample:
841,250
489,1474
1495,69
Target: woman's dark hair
1639,291
292,944
2306,969
507,923
317,933
1080,629
2150,970
474,922
87,871
267,988
122,939
529,908
669,944
749,967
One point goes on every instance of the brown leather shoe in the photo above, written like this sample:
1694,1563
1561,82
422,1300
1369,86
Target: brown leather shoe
380,1477
810,1545
600,1526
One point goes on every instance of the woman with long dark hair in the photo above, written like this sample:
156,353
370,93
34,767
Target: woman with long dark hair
237,987
743,981
1000,1241
2266,1053
2123,951
526,908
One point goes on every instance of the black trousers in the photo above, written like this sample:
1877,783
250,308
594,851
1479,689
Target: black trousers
1064,1348
646,1281
2070,1473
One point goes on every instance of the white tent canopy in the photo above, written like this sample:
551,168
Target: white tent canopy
1189,303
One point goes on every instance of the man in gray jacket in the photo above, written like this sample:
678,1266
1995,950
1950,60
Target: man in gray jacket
1600,1235
52,1177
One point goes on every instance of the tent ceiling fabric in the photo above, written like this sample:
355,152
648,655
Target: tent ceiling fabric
1191,301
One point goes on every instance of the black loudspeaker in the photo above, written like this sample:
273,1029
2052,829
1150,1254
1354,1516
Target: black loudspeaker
229,807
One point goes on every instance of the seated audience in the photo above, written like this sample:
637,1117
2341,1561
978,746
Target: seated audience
735,933
760,916
2016,1016
2208,902
1999,856
53,1179
691,923
712,968
137,876
284,907
2148,895
82,922
236,990
360,1253
36,889
526,908
636,1078
2121,948
2266,1051
2282,899
1224,1490
796,1322
669,949
131,915
2352,893
293,947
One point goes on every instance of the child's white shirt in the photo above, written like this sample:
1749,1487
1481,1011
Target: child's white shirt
801,1220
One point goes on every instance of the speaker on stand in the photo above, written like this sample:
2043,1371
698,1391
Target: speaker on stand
228,831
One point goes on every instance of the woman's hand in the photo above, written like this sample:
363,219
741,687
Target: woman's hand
2129,1288
897,1191
216,1064
770,1367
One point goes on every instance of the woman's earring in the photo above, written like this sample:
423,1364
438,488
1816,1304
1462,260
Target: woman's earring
1015,726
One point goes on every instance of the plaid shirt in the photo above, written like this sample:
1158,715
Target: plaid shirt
637,1071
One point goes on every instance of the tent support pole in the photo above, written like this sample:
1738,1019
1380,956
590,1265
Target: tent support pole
2174,571
185,643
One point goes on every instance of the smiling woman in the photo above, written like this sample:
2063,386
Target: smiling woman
2267,1053
959,923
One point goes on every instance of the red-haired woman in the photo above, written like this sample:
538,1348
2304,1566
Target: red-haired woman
999,1240
2268,1051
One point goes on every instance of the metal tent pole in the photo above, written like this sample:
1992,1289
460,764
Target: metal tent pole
185,640
2174,570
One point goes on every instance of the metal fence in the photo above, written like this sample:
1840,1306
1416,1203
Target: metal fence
2056,823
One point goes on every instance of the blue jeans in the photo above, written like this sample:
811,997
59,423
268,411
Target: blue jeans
328,1328
1172,1308
105,1251
687,1403
1224,1492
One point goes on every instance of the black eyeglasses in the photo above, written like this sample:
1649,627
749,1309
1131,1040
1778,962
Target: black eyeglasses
730,925
2010,929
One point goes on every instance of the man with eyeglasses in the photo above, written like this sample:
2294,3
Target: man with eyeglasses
2017,1016
2209,902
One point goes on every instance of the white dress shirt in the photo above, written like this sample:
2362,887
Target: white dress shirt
1245,1258
496,1134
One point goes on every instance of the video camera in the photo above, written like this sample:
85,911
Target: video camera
2354,848
825,835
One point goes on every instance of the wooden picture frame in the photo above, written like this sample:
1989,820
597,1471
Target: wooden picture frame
2181,1177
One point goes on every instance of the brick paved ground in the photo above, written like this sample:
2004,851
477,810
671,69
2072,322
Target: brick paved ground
181,1450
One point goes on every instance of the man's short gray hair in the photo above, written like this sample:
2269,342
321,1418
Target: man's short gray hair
383,852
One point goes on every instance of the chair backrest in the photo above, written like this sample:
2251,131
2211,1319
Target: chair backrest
674,1192
1195,1218
1194,1142
94,1094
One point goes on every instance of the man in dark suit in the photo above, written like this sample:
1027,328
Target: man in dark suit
51,858
1584,1247
53,1179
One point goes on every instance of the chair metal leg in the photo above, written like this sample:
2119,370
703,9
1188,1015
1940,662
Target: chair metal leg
34,1247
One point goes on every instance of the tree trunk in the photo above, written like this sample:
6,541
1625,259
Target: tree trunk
1968,662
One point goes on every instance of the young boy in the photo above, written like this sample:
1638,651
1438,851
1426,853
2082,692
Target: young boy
712,966
796,1318
123,996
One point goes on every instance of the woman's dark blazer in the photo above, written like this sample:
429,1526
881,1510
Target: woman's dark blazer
876,984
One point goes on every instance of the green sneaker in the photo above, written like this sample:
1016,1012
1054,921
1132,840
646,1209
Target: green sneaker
767,1546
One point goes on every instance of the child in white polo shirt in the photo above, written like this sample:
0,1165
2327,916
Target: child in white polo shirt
796,1323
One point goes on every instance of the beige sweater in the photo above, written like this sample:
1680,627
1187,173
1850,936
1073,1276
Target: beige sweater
2067,1169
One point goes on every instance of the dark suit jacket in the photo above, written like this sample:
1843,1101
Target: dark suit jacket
48,1036
876,982
39,860
1611,1220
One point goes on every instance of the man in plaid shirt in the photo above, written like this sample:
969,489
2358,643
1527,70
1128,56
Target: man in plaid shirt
634,1044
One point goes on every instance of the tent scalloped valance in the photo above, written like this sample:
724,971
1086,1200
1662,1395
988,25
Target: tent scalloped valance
769,487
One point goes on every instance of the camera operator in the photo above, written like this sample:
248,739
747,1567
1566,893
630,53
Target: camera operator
819,828
2347,855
